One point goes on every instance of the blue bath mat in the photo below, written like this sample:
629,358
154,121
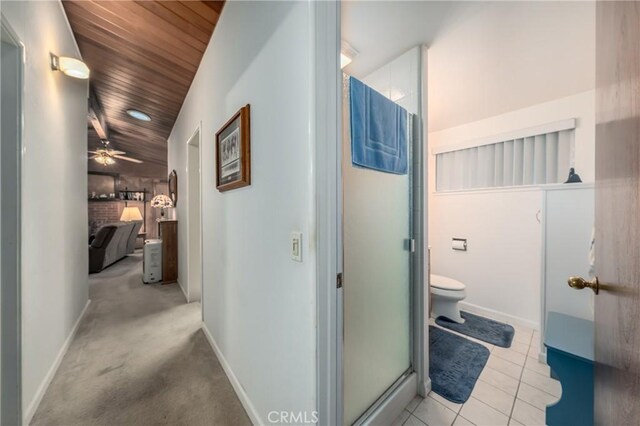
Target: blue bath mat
455,363
481,328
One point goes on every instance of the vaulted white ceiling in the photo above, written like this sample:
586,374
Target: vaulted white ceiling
485,58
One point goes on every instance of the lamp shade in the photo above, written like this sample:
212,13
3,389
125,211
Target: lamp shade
70,66
161,202
130,214
74,68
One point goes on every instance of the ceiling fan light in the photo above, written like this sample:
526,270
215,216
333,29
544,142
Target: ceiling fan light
105,160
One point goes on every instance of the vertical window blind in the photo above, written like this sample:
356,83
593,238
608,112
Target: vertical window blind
530,160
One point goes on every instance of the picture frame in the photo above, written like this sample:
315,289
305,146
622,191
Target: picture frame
233,152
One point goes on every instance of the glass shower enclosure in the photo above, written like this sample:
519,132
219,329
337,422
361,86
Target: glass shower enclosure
377,246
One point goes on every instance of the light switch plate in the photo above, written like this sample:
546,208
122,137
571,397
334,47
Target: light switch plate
296,246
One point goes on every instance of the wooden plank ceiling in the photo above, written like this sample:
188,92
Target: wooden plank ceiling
142,55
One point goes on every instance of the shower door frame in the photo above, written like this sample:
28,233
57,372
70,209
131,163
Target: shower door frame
398,395
326,122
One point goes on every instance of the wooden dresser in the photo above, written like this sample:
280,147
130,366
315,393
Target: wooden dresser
168,232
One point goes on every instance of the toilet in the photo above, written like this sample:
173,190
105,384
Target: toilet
445,295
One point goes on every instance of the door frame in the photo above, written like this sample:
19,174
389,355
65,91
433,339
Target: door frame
326,115
326,121
11,408
192,142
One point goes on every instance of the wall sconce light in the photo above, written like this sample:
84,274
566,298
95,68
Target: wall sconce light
70,66
347,53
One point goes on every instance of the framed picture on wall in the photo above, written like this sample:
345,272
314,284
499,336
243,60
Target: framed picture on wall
233,152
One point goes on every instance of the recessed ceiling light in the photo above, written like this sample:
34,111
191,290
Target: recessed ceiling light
138,115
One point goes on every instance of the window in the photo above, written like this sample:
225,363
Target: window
535,158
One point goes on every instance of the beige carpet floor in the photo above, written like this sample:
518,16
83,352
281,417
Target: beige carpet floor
139,358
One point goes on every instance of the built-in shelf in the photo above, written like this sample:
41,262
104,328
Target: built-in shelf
125,191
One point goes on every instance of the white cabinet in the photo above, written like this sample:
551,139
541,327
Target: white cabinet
568,225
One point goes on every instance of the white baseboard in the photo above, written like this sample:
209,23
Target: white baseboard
183,291
499,316
542,356
42,389
242,395
426,388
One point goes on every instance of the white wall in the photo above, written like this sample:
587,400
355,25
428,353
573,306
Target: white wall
502,269
399,80
54,188
485,57
494,57
259,305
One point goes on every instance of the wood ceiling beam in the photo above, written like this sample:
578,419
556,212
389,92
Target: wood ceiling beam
96,116
143,55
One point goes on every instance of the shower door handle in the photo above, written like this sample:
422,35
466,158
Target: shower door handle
410,245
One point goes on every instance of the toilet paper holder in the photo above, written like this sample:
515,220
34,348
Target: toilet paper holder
459,244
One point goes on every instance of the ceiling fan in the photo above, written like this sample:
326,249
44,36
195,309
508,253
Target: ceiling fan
107,156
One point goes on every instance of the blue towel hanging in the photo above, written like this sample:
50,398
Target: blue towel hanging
378,130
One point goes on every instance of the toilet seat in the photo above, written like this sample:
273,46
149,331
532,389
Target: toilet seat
445,295
446,283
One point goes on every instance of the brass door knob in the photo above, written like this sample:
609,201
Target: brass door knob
579,283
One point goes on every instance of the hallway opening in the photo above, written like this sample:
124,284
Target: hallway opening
194,220
10,205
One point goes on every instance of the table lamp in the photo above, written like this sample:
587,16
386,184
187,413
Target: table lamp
161,202
130,214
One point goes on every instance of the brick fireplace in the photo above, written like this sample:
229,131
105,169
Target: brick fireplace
103,212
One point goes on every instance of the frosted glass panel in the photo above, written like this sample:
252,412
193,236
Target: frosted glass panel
376,226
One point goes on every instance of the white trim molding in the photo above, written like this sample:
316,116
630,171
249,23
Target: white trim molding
326,106
42,389
242,395
186,297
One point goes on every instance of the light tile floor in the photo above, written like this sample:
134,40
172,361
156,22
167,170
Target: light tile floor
513,389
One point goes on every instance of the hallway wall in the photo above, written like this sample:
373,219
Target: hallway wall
54,188
259,304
